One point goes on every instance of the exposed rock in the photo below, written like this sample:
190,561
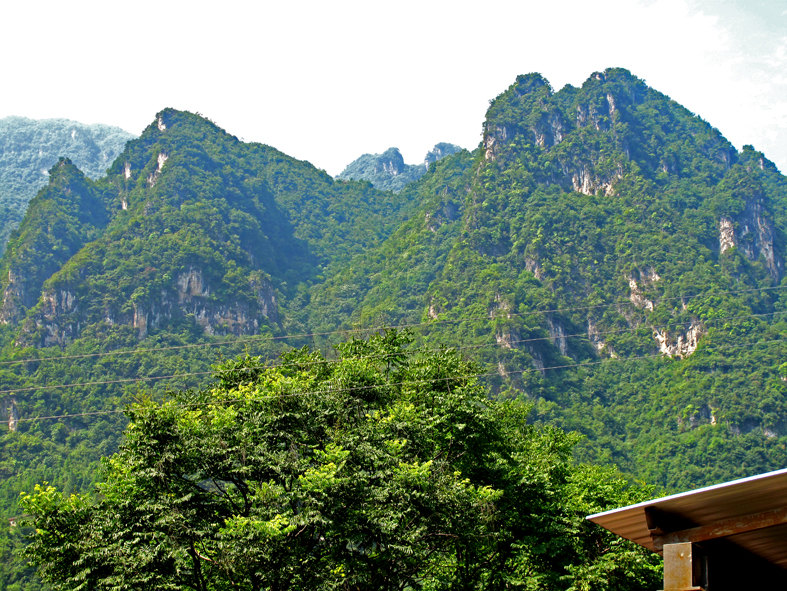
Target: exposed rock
681,346
10,412
140,321
751,424
507,339
649,276
756,237
432,311
59,321
501,369
266,299
549,131
13,295
190,285
391,162
557,334
584,181
594,336
500,306
532,265
160,160
752,233
440,151
493,138
726,235
56,320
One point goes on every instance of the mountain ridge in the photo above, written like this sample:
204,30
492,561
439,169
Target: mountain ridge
596,224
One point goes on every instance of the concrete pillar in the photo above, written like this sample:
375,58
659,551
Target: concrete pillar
683,568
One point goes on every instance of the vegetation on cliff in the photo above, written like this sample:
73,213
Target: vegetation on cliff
388,171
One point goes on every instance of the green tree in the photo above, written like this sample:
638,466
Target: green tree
385,468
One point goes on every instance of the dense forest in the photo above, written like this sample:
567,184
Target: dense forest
604,257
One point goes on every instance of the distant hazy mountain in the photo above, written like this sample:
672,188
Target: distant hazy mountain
388,172
29,148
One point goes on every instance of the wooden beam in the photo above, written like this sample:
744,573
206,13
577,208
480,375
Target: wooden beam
720,529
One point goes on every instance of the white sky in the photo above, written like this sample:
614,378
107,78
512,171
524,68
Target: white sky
326,81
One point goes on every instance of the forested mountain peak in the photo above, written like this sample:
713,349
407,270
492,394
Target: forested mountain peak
594,224
200,228
67,213
612,122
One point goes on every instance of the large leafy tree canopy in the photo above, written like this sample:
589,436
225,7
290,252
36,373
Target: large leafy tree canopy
384,468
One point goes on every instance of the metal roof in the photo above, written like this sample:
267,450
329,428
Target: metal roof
753,510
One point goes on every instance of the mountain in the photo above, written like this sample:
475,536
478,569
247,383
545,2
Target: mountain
388,172
189,225
610,256
29,148
603,252
194,246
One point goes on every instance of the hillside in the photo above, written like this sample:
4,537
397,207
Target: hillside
29,148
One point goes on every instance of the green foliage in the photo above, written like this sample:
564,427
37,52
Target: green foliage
592,228
385,468
191,238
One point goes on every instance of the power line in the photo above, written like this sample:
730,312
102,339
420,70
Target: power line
346,331
583,336
409,382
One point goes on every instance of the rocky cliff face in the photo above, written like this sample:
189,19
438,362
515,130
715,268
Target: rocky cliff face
9,412
753,233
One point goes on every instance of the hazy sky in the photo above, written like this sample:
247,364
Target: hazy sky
326,81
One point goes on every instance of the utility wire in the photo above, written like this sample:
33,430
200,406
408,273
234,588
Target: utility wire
583,336
346,331
409,382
